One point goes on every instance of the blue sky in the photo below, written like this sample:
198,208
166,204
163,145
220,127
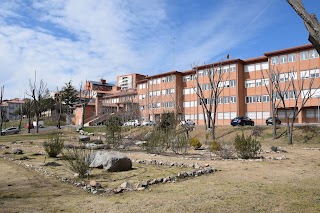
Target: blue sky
83,40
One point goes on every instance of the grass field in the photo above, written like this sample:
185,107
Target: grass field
290,185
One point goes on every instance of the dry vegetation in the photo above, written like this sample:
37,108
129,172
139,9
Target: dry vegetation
289,185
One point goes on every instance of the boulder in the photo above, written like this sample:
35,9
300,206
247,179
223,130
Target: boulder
111,161
91,146
17,151
84,138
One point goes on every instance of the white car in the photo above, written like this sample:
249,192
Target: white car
132,123
148,123
188,123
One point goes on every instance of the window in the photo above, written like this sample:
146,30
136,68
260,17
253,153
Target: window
232,67
225,68
265,82
304,55
258,82
141,97
258,98
226,115
292,57
167,91
249,83
304,74
167,104
249,68
200,73
265,98
283,59
314,73
226,99
258,66
233,99
265,65
275,60
310,113
167,79
232,83
220,100
251,115
313,54
226,84
250,99
292,94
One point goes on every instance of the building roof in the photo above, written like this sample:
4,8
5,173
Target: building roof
256,59
289,50
101,84
163,74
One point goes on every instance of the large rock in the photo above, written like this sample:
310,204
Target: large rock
84,138
111,161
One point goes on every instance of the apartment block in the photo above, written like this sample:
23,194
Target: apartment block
10,107
245,89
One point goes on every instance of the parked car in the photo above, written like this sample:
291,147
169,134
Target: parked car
269,121
148,123
241,121
10,131
188,123
132,123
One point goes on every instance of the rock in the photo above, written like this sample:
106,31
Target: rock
91,146
111,161
91,134
126,185
140,188
140,143
17,151
84,138
117,190
93,183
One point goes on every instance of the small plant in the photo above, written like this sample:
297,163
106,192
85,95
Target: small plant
274,148
226,151
157,142
216,146
246,147
256,131
78,161
54,147
195,143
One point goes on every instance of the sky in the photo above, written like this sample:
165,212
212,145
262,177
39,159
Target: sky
78,40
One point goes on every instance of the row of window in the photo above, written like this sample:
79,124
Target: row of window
314,73
257,99
221,100
256,83
305,55
258,115
222,69
169,104
257,66
231,83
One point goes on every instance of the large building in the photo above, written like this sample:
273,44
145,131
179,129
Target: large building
11,107
245,88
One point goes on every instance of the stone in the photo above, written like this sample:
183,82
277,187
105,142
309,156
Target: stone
84,138
91,134
140,188
117,190
17,151
93,183
126,185
91,146
112,161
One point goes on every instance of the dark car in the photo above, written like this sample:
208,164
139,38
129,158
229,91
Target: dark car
241,121
269,121
10,131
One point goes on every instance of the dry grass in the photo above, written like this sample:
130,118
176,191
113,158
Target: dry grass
290,185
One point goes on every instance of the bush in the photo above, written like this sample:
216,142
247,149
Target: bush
54,147
157,142
256,131
274,148
226,151
78,161
216,146
195,143
246,147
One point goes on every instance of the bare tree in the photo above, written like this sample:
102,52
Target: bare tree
2,110
271,90
310,21
289,86
36,93
217,81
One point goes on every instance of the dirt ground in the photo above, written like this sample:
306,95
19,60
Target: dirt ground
290,185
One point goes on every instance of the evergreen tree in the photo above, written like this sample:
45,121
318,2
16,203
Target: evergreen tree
69,94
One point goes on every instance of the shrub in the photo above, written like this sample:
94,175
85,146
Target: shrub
226,151
78,160
54,147
216,146
246,147
157,142
256,131
274,148
195,143
179,142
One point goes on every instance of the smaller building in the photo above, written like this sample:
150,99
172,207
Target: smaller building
10,108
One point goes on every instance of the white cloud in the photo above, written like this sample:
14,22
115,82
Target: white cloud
93,39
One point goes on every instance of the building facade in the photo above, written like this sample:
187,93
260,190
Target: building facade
245,89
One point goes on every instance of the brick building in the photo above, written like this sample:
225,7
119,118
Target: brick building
243,88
